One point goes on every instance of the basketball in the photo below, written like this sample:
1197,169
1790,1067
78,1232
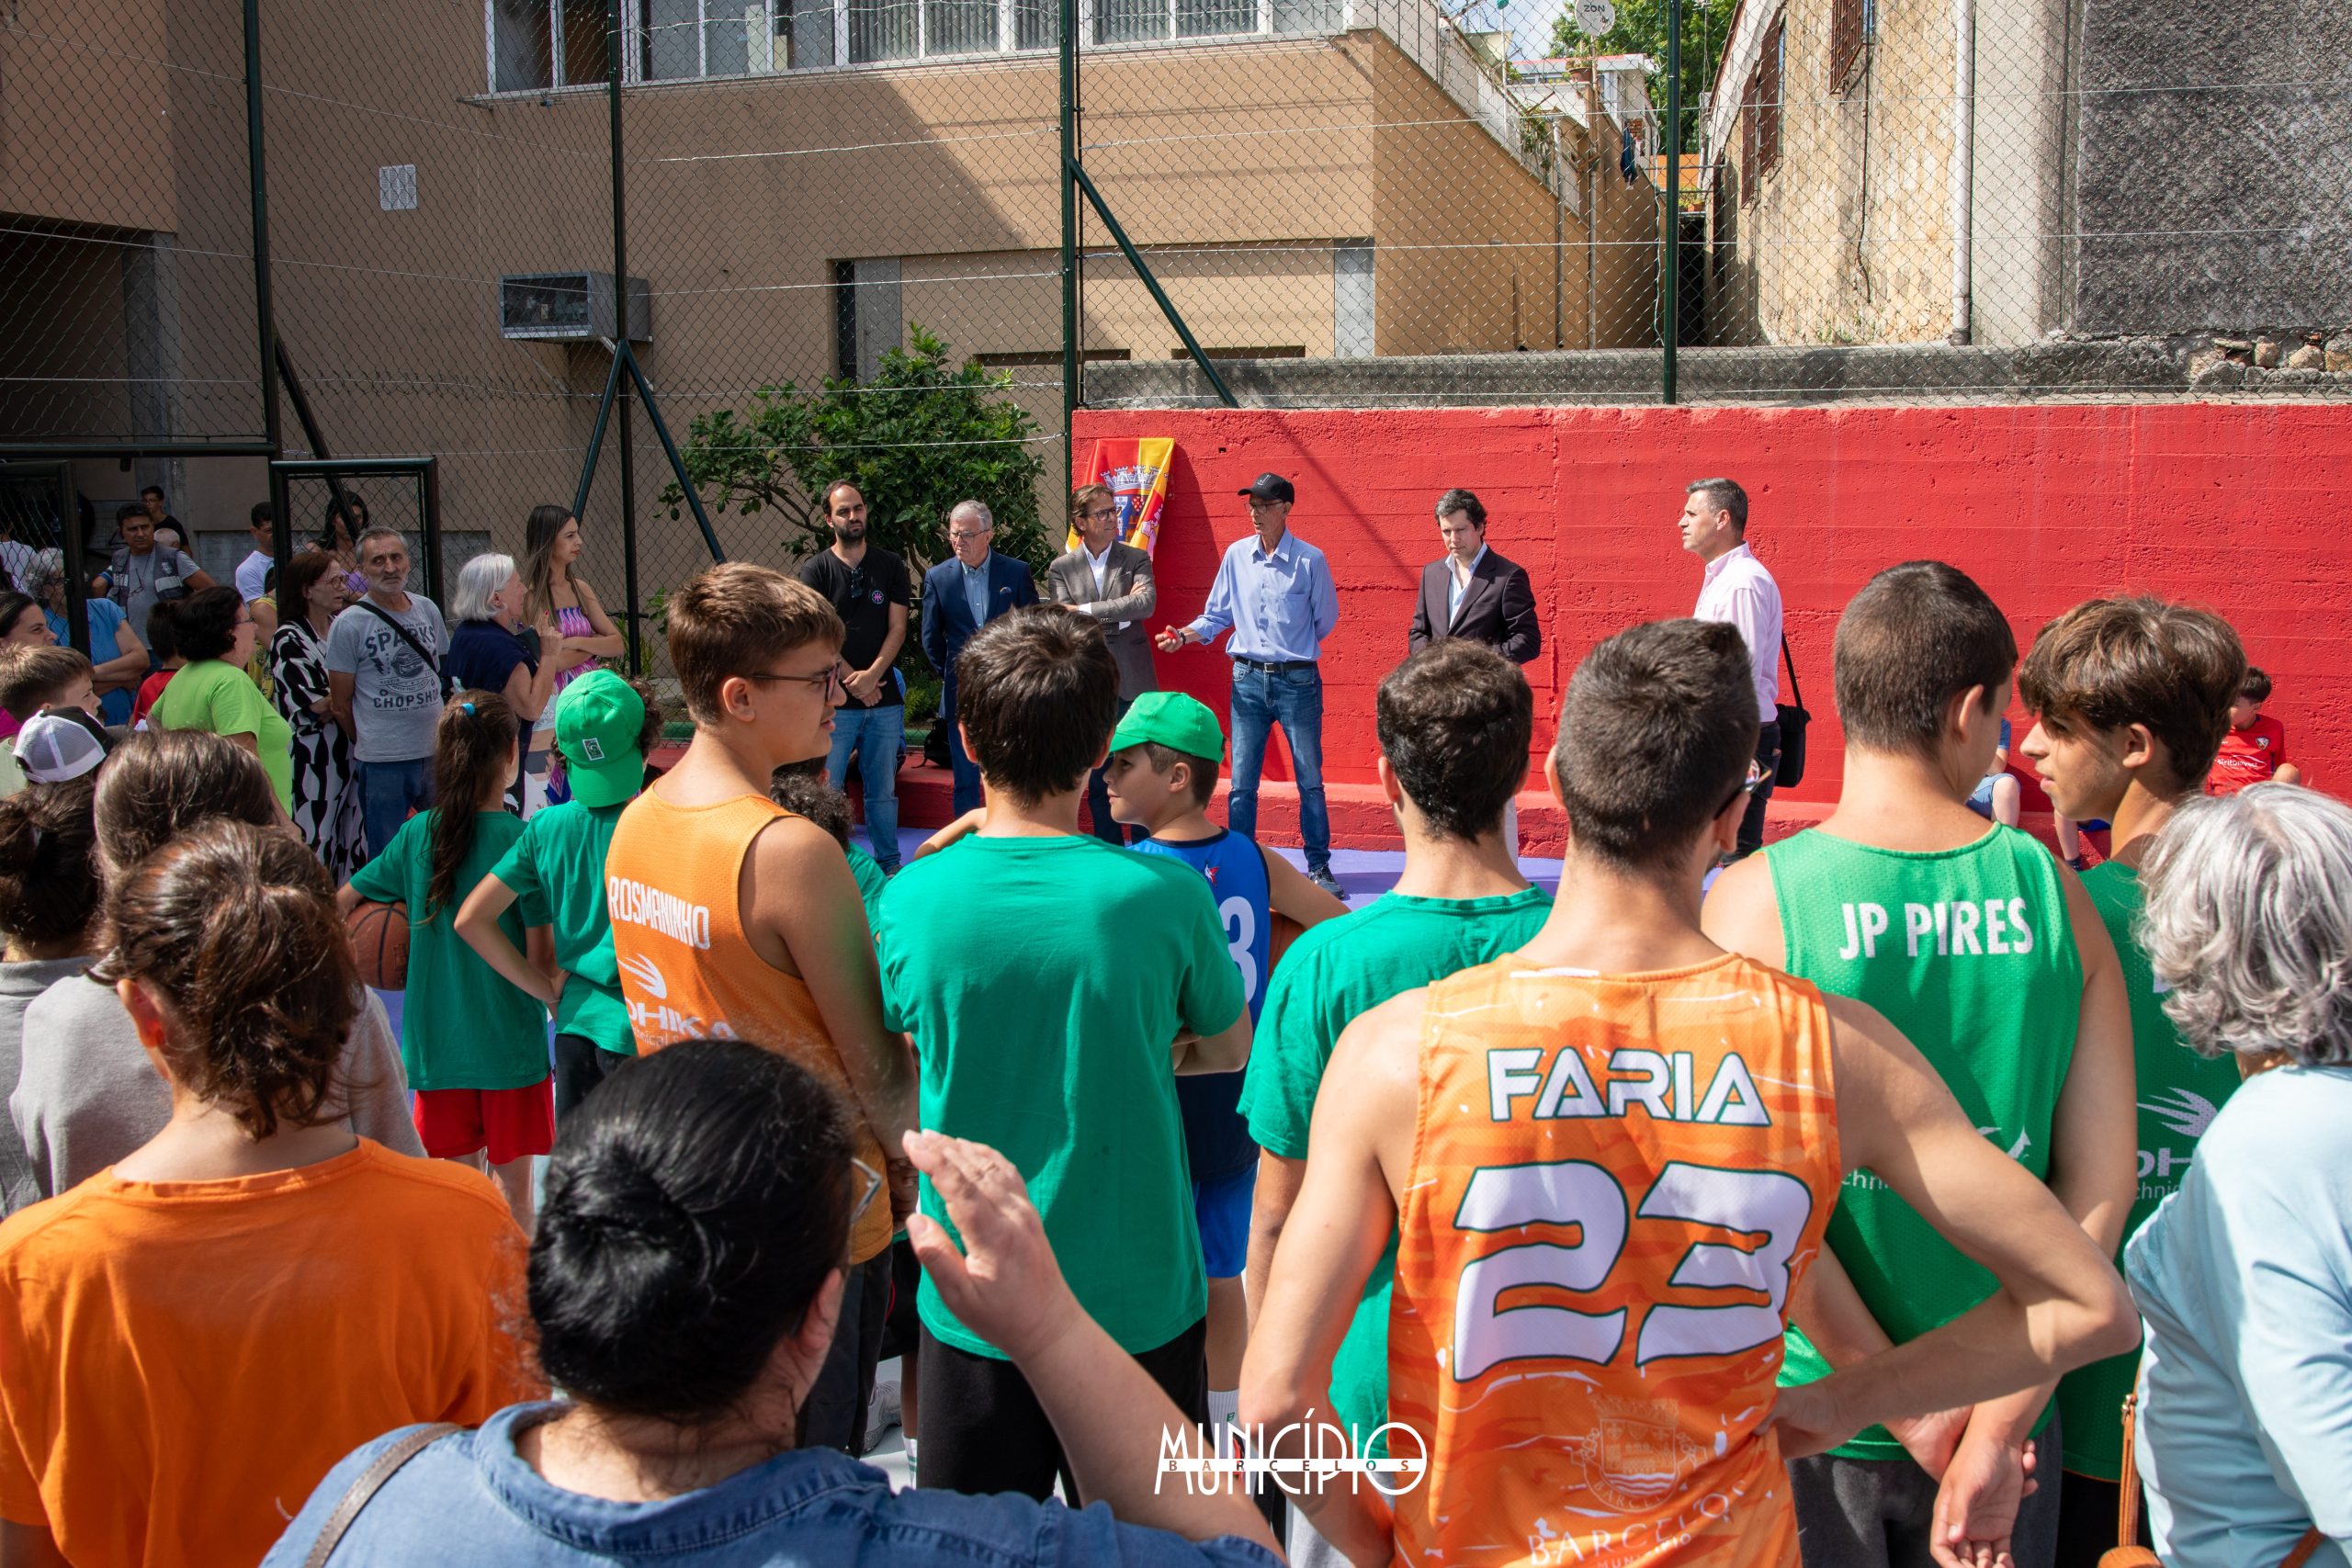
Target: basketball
1283,931
378,935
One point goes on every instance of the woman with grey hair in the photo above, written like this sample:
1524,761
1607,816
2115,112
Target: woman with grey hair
118,660
2244,1275
488,653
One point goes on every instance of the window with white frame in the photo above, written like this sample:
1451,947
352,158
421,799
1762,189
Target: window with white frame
678,38
538,44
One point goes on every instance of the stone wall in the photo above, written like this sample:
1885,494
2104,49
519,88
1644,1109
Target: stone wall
2215,166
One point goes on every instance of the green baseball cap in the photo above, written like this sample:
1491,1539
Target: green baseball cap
1172,719
597,721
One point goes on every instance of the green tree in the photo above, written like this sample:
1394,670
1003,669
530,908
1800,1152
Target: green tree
1641,29
918,439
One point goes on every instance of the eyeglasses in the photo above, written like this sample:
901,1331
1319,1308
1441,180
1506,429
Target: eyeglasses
830,679
965,539
873,1186
1101,513
1756,776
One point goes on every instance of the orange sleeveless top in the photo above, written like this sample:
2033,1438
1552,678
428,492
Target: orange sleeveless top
1616,1181
673,885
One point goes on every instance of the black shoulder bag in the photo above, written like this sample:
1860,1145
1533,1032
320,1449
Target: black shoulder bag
1794,718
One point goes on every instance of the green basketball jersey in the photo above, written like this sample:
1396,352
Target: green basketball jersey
1970,953
2180,1092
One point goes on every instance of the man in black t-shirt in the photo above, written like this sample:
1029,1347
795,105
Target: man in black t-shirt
870,591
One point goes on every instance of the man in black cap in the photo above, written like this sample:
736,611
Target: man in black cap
1275,592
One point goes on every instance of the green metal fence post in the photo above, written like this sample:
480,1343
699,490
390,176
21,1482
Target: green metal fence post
1672,282
1069,228
264,313
620,388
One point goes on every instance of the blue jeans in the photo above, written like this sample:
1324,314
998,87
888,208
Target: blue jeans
388,793
965,771
876,735
1294,699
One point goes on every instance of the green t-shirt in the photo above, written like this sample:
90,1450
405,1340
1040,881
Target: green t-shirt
1971,954
1043,980
219,699
462,1026
558,864
2179,1091
871,880
1333,973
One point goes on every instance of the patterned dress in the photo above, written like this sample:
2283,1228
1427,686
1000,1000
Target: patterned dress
571,620
326,797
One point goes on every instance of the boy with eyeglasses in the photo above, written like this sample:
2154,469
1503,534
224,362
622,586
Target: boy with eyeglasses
733,918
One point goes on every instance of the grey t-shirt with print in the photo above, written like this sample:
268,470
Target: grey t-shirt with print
396,696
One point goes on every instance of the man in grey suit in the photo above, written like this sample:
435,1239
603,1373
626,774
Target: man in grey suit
1111,582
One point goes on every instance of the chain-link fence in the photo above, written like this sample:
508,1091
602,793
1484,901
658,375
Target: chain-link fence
833,247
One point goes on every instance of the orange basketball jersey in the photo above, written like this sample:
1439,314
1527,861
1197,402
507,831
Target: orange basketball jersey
1616,1180
672,885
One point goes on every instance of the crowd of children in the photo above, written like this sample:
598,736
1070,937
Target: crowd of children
1702,1214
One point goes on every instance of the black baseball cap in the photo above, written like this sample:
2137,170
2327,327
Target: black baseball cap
1269,486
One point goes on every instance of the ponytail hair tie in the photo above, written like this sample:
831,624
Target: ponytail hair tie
466,707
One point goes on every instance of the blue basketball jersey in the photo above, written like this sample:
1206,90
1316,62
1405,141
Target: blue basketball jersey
1216,1138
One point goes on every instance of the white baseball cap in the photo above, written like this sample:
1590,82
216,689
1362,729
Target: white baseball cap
60,744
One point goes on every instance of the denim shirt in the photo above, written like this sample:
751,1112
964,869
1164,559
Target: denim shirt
470,1500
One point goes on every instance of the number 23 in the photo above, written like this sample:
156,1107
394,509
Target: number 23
1576,1193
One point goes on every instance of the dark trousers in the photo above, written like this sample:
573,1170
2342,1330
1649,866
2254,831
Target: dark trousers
965,772
580,1066
1868,1513
1768,757
833,1416
1097,797
2086,1519
983,1430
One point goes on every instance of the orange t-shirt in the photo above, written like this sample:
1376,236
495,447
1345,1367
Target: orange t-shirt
674,879
185,1361
1616,1181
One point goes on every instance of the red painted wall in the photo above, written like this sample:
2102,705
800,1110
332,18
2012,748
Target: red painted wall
2240,506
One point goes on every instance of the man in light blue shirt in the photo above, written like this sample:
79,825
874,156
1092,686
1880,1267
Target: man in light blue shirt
1273,591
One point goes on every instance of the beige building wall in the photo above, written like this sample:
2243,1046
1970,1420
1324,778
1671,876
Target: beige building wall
1241,166
110,159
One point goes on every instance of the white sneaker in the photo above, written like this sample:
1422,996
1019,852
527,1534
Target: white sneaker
882,1410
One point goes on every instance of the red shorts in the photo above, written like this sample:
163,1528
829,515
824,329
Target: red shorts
509,1122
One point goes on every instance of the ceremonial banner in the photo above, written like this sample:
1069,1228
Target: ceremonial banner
1136,472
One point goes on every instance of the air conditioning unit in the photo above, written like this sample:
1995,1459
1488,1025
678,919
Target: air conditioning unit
570,306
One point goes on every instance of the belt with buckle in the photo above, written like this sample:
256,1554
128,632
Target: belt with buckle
1275,667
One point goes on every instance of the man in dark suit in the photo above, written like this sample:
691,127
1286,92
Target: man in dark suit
1111,582
959,596
1474,594
1470,591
